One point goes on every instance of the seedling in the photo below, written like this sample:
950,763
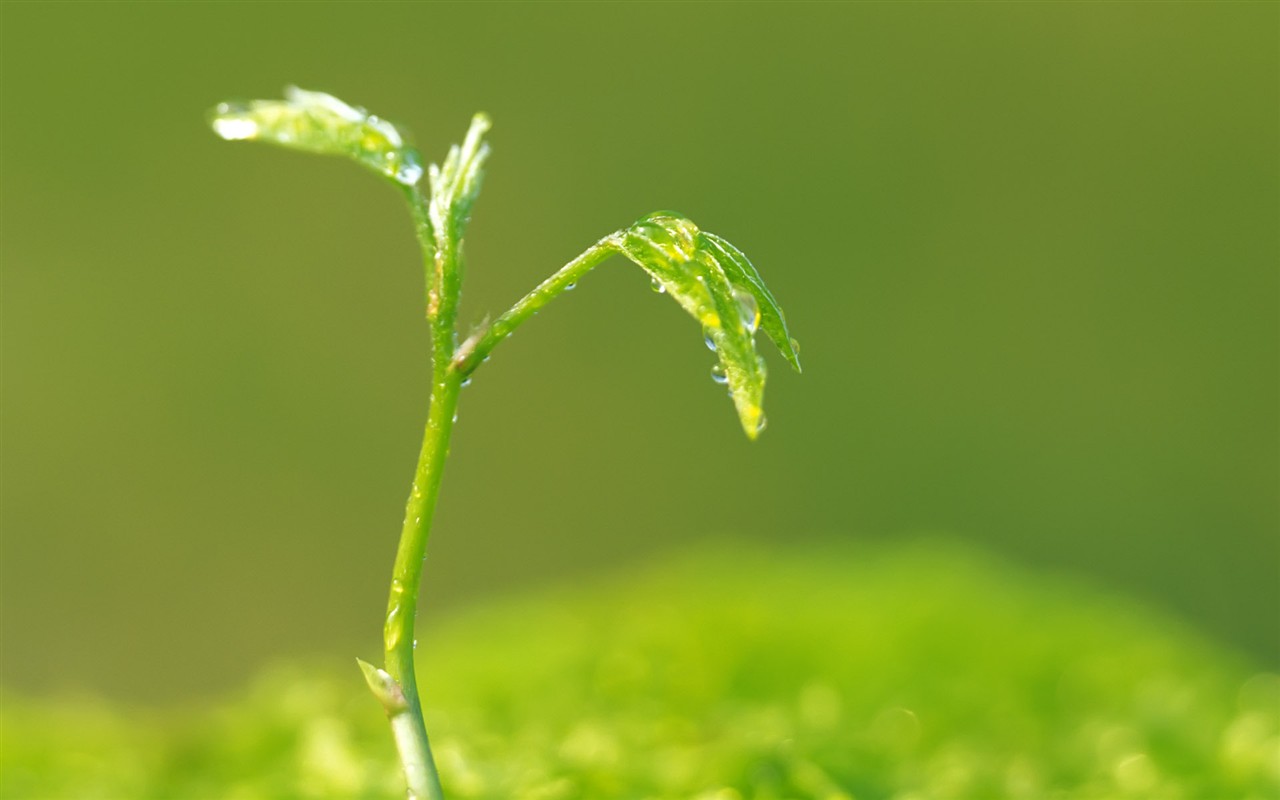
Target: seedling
711,279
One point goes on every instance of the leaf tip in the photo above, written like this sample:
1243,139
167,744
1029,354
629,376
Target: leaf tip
753,420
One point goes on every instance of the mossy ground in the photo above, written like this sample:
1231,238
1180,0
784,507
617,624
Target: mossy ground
729,674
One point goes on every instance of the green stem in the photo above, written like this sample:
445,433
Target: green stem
397,687
398,633
476,349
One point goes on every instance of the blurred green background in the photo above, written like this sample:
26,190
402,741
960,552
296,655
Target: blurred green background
1030,252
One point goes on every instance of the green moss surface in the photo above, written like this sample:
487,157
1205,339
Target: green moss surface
728,674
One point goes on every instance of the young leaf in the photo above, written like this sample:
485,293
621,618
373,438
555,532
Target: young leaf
454,185
742,274
716,284
320,123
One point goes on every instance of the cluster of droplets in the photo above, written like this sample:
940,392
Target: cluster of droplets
321,123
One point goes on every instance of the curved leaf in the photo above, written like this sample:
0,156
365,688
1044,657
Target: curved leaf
321,123
741,273
716,284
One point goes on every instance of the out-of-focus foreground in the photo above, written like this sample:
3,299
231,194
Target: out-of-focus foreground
732,673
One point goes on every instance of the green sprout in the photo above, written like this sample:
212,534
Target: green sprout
710,278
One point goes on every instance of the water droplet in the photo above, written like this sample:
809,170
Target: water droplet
415,644
708,340
384,129
748,309
795,345
467,380
761,423
455,416
718,374
657,286
669,234
685,234
231,127
569,287
391,631
225,109
409,171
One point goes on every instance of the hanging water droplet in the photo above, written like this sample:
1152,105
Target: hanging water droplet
748,309
718,374
415,644
230,126
467,380
455,416
657,286
760,423
409,172
569,287
708,340
795,345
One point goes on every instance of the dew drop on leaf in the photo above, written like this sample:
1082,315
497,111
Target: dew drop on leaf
409,171
749,309
229,124
718,374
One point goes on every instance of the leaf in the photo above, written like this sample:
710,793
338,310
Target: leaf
456,183
316,122
716,284
742,274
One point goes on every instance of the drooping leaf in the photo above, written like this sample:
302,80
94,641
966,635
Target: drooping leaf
320,123
743,275
716,284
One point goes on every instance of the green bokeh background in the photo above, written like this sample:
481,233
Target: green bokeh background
1030,251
